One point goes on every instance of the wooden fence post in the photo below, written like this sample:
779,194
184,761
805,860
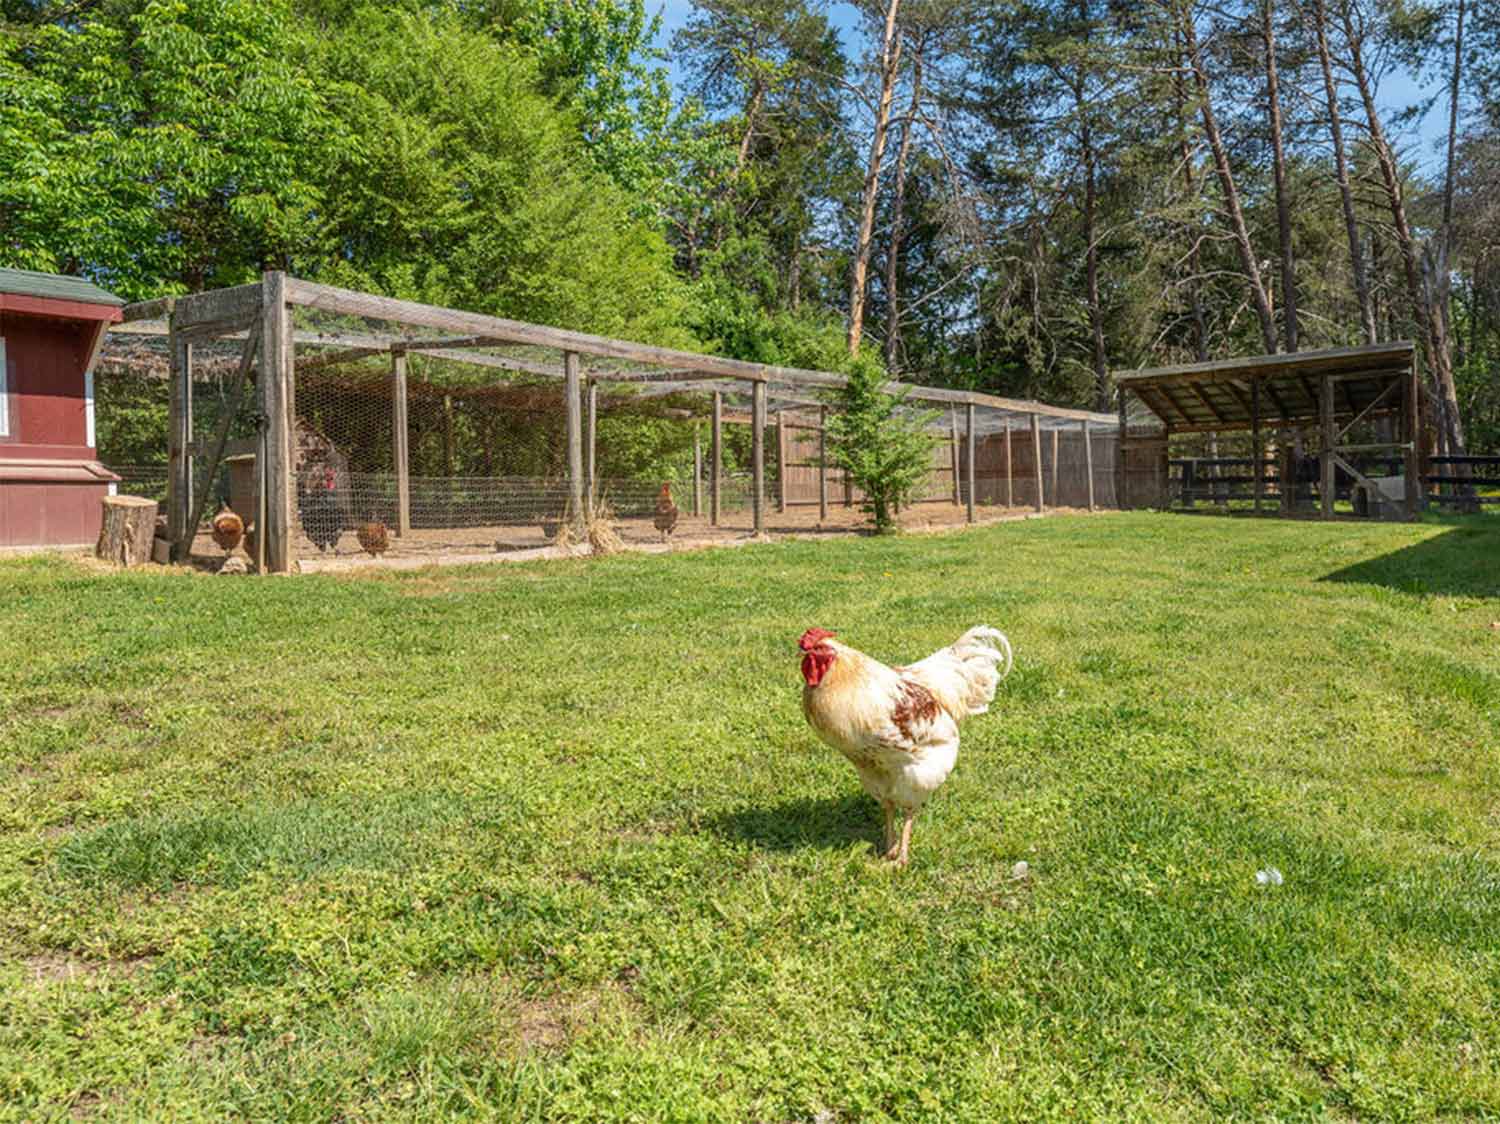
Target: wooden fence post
758,453
781,459
969,457
697,469
1055,490
716,458
591,447
573,394
399,436
278,404
953,443
1010,484
179,436
1036,454
822,464
1088,460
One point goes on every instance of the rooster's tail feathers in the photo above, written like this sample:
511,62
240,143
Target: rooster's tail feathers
964,675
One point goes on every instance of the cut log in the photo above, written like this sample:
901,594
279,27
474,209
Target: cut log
126,531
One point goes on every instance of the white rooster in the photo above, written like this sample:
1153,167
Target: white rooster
898,726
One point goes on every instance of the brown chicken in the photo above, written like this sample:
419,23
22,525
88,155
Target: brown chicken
228,530
373,538
666,512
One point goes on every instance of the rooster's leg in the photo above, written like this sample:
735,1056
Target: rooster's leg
905,853
888,836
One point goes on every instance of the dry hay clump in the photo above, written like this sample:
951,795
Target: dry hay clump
598,529
599,524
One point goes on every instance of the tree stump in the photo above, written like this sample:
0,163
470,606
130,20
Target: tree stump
126,532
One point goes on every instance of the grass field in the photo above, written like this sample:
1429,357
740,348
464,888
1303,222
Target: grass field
553,842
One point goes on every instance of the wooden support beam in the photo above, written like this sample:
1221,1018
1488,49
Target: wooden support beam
400,434
969,458
1276,400
1370,409
823,464
1330,439
716,458
758,455
1257,443
697,470
1036,456
591,443
1010,483
219,310
573,400
1088,460
278,404
781,463
1166,393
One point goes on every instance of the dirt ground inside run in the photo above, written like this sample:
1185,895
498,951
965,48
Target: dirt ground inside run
518,543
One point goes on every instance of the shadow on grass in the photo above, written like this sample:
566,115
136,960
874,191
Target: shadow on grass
1463,562
833,824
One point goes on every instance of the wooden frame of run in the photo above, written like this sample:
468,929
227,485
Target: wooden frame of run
261,314
1329,391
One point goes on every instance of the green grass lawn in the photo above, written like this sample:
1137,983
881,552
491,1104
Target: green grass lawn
553,842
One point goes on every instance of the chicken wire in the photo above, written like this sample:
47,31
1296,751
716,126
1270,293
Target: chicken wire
486,442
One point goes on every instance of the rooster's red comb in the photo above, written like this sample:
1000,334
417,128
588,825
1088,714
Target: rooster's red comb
813,637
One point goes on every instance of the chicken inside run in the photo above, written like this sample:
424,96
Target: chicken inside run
362,430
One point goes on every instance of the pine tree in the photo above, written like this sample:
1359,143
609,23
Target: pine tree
884,447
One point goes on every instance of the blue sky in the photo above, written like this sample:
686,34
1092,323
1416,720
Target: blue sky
1398,91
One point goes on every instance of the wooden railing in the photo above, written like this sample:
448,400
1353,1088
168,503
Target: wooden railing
1463,482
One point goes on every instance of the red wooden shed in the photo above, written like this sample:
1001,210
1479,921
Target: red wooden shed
51,329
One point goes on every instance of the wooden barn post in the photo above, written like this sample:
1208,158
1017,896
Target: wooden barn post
781,459
1122,474
573,398
822,464
758,453
953,444
1036,456
1257,444
1330,439
969,458
697,468
591,443
277,405
716,458
399,451
1088,460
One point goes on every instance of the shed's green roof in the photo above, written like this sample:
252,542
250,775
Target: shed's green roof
54,286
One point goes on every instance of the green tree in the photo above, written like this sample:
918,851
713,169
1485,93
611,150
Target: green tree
884,446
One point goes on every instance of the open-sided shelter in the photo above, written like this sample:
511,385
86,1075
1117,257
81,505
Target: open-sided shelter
1328,392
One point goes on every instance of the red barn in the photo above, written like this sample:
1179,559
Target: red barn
51,329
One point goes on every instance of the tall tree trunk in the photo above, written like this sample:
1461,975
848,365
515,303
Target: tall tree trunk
1189,180
1444,250
890,60
893,249
1341,171
1278,157
752,111
1102,384
1425,310
1226,182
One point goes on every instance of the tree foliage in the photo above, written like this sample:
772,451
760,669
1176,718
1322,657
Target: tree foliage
884,446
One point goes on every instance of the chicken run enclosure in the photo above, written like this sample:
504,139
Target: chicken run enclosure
311,409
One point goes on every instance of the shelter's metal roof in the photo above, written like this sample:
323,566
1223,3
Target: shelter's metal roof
1222,396
54,286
